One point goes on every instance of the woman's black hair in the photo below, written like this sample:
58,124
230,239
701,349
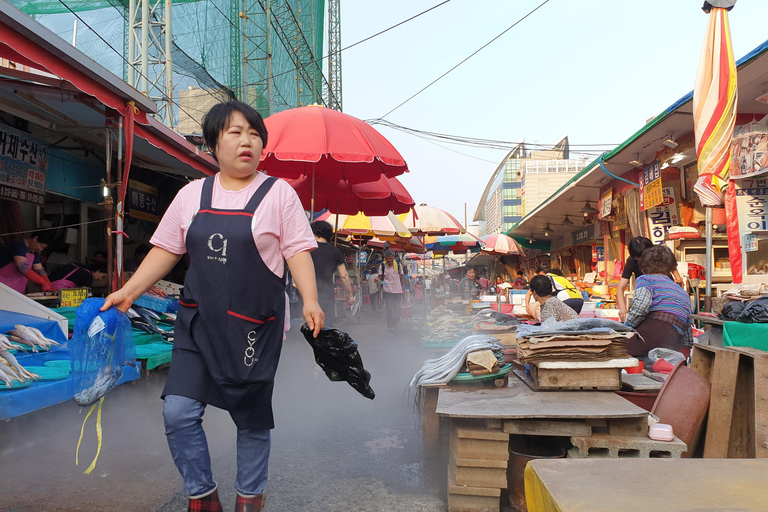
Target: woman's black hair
638,245
541,286
44,236
658,259
217,120
322,229
556,271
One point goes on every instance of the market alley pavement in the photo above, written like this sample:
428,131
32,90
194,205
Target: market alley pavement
332,449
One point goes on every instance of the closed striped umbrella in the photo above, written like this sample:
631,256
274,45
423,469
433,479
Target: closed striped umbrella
715,97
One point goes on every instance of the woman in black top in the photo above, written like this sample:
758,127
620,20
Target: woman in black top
636,247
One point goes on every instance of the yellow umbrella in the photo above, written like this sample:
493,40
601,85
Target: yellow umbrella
388,226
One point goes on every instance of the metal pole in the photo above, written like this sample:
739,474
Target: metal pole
108,205
708,263
120,206
270,78
144,47
168,66
312,200
131,43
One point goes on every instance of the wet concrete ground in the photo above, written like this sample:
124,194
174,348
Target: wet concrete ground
332,449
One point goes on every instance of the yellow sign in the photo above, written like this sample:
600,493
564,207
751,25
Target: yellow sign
653,194
73,297
621,215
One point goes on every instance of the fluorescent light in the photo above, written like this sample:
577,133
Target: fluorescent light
670,142
636,163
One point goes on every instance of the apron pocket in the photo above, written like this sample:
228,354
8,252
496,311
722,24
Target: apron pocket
242,355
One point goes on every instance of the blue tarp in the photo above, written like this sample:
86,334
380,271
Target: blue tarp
49,328
39,395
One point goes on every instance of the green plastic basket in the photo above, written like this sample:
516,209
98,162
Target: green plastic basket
47,373
152,349
59,364
468,377
14,385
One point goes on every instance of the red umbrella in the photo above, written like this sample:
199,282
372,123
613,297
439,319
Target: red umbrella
325,144
374,198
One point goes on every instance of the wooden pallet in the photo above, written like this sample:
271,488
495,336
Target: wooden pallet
737,421
603,379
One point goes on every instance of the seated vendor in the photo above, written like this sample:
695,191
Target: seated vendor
20,262
468,287
72,275
660,308
551,306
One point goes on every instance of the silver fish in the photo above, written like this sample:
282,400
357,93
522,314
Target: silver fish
5,378
104,382
42,337
10,372
20,371
20,337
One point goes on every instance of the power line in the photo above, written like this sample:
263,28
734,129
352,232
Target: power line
486,143
467,58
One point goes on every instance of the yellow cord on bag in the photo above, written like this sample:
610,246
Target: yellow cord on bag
98,437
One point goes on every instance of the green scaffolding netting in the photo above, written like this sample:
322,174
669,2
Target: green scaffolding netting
219,46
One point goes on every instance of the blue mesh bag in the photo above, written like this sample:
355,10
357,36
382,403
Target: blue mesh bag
101,344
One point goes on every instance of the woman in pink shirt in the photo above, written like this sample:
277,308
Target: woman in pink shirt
239,228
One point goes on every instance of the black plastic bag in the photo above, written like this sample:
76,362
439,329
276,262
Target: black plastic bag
337,355
731,310
755,311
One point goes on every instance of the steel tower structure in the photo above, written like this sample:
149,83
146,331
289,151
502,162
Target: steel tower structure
333,94
150,49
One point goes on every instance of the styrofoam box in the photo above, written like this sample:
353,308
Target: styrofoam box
588,306
607,313
492,298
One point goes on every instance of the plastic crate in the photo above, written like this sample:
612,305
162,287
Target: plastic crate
158,304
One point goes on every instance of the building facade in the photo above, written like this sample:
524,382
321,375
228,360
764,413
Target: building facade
521,182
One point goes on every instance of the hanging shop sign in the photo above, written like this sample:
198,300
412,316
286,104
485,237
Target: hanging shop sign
650,187
598,251
621,214
362,258
662,217
750,150
587,234
142,201
351,258
751,203
750,242
604,205
23,163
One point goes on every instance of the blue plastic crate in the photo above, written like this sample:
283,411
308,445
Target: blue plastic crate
158,304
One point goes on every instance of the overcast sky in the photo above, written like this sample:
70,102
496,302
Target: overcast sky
595,69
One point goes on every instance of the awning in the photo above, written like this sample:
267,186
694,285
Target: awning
72,93
676,120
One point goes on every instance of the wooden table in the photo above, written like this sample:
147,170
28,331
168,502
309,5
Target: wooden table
643,485
706,319
517,401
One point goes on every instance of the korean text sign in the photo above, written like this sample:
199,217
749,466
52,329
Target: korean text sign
23,163
650,187
664,216
751,203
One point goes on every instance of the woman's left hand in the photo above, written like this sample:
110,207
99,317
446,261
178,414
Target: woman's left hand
314,316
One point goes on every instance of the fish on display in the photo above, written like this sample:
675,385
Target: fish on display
30,336
146,313
14,364
5,343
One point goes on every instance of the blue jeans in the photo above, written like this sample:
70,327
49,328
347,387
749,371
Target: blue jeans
189,448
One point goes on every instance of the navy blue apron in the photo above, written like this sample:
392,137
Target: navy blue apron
229,329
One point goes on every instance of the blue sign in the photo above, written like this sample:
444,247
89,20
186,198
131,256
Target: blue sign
23,162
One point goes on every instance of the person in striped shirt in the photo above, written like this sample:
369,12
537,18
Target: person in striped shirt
660,308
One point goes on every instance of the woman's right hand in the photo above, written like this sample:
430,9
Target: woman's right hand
120,299
623,315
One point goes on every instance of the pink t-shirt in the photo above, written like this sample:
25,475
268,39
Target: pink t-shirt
280,226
